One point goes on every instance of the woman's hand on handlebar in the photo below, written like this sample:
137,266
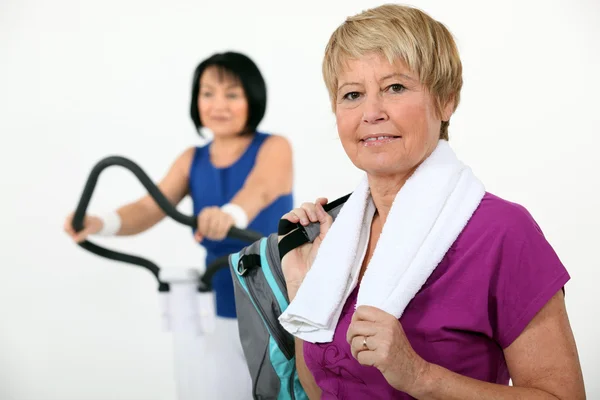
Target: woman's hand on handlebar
213,224
91,225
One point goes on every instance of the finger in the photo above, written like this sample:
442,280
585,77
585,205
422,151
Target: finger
81,236
199,223
198,236
218,225
212,227
69,229
225,223
368,313
360,329
291,217
302,216
322,201
69,225
204,221
367,358
311,211
357,345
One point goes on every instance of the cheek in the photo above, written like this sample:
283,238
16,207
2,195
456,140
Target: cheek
203,107
240,110
422,128
346,124
415,122
411,117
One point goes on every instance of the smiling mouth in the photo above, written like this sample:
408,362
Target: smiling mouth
379,140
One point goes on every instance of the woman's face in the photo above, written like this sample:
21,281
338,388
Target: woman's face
386,119
222,103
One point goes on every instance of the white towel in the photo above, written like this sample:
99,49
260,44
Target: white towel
427,215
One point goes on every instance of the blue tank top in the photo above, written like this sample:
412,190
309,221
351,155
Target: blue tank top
211,186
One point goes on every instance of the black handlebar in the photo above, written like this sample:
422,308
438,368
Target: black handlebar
77,223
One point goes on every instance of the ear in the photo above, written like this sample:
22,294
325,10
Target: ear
448,109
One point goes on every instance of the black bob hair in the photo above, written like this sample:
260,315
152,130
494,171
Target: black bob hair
243,68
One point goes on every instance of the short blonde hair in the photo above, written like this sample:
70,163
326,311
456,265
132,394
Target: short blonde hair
399,32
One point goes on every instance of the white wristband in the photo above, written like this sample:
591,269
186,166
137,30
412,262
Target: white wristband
240,219
111,224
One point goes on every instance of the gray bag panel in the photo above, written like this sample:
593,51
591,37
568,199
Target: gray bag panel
253,334
255,343
275,264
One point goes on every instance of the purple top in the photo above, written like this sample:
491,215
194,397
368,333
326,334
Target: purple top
493,280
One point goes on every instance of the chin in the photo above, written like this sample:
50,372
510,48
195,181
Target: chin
225,131
383,172
381,164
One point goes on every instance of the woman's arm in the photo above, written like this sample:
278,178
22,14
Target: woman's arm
542,361
306,378
270,178
144,213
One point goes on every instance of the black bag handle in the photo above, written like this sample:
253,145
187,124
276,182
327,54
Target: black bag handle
295,234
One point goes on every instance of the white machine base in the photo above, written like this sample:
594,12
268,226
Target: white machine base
189,315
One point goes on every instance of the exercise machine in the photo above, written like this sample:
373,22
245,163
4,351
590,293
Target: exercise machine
185,296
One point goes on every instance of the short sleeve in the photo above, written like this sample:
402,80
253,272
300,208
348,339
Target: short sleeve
528,273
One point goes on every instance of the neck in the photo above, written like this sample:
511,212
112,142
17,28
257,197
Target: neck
384,190
229,144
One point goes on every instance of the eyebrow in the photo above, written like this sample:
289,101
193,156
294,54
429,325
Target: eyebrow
397,75
232,86
393,75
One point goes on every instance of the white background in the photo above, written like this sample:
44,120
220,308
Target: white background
82,80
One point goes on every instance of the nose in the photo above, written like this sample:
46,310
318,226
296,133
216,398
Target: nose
220,102
373,111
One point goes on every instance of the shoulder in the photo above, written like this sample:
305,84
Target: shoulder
275,145
524,270
184,160
274,140
499,217
504,236
502,232
188,155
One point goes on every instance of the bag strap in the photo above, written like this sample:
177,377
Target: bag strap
296,235
246,263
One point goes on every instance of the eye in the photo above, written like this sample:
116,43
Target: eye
351,96
396,88
205,94
232,95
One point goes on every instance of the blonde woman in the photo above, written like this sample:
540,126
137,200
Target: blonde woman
493,309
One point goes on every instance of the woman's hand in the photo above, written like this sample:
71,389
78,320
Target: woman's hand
297,262
91,225
377,339
213,224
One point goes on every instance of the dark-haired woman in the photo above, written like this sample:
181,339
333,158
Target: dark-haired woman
241,178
